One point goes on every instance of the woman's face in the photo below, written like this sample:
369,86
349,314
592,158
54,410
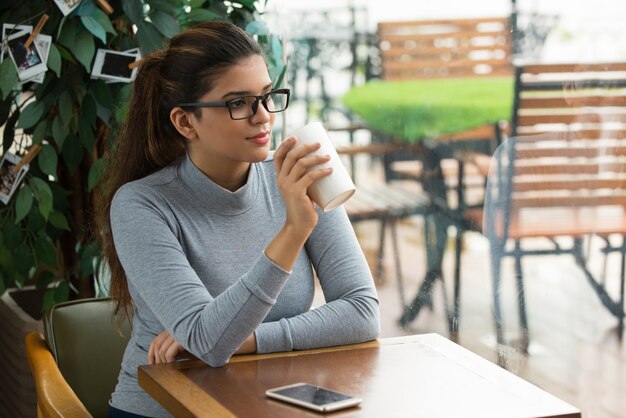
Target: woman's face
222,147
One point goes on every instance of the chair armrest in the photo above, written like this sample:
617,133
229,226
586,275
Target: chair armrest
55,398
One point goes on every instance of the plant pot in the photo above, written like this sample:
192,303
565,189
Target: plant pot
20,313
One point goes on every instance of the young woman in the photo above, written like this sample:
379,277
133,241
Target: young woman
211,240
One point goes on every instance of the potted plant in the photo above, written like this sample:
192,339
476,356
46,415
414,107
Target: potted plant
70,115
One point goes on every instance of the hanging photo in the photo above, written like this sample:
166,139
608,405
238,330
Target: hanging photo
113,66
43,43
66,6
10,180
29,61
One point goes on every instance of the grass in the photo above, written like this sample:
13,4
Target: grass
418,109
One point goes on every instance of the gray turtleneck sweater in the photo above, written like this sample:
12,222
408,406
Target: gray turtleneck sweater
193,256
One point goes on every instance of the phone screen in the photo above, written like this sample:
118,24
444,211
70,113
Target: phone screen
312,394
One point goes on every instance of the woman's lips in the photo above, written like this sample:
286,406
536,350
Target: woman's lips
260,139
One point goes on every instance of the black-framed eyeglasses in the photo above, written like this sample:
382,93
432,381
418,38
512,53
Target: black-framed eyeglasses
245,107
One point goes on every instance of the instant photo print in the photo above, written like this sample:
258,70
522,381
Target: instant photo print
66,6
29,62
112,66
43,42
9,180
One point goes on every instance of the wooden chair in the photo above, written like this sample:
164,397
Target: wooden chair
75,368
561,174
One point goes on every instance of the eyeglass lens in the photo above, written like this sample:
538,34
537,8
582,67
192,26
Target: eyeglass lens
245,107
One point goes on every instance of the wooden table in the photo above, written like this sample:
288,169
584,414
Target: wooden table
414,376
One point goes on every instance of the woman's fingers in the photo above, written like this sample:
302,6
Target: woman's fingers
290,154
163,349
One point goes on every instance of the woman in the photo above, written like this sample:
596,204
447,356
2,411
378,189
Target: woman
211,239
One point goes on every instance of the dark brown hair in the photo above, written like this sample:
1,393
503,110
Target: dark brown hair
147,140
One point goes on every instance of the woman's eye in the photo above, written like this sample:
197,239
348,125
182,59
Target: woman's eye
237,103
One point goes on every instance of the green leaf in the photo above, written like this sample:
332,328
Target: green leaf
85,49
48,160
102,93
8,77
93,26
59,221
89,111
202,15
43,194
134,10
31,114
45,250
95,172
54,60
48,299
65,54
66,107
67,38
12,234
85,133
60,131
149,37
8,135
5,109
23,203
62,292
40,132
72,153
165,24
104,21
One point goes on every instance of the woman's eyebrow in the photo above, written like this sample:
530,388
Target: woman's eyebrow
245,92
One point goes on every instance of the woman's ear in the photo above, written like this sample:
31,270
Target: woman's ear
182,122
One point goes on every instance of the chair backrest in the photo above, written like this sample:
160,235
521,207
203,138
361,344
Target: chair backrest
88,346
567,151
445,48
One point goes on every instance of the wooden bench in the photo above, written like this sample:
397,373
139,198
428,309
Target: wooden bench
561,174
445,48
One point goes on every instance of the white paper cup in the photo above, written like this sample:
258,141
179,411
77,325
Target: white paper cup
333,190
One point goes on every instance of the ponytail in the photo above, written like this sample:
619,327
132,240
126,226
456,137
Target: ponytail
147,140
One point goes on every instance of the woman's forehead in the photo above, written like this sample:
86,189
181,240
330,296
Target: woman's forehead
248,76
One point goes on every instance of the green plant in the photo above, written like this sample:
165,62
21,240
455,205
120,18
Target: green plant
45,229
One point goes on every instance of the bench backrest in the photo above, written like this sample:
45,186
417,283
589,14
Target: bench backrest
445,48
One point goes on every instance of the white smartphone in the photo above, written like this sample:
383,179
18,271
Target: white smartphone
313,397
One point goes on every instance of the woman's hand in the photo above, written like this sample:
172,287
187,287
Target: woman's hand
294,177
164,349
295,172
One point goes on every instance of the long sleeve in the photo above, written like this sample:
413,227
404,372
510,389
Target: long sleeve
160,274
351,313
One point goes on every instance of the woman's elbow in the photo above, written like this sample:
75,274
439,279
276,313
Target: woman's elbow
370,320
215,360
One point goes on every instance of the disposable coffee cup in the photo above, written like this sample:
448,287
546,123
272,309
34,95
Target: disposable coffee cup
333,190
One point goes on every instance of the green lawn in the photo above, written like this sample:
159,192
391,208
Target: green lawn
418,109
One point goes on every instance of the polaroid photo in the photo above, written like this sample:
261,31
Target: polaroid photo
9,29
66,6
28,61
113,65
9,181
43,42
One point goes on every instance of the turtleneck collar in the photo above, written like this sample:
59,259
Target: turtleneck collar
214,197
